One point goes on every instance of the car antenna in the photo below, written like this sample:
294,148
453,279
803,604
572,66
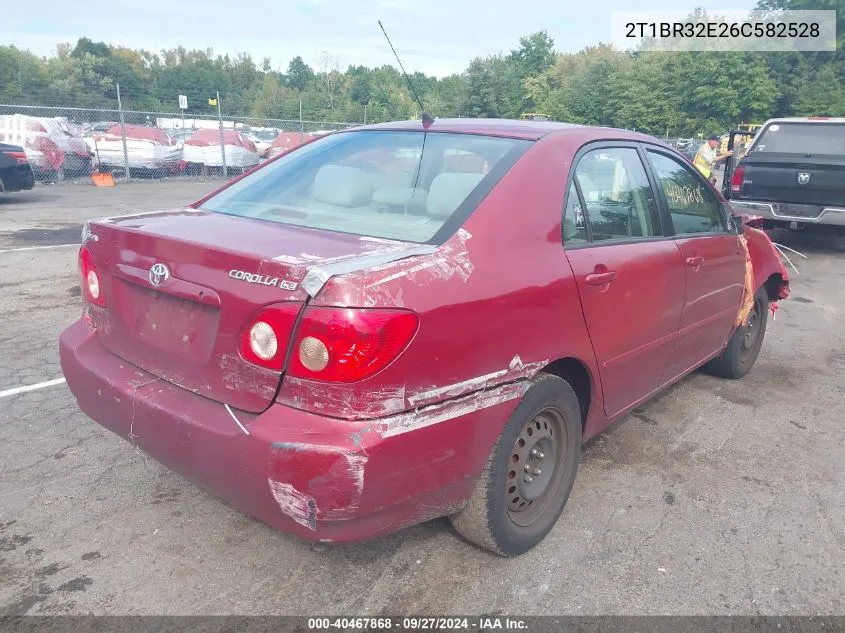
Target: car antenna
427,119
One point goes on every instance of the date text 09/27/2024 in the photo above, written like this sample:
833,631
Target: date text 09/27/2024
419,623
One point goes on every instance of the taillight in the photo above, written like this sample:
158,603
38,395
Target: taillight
264,341
20,157
92,289
349,344
737,179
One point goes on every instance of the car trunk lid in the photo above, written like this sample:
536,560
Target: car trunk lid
185,324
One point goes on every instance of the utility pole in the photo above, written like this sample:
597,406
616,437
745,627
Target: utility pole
123,134
222,139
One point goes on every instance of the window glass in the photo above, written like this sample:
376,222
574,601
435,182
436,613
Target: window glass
574,222
801,138
694,207
390,184
620,202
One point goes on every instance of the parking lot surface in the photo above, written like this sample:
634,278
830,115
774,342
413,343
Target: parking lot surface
719,497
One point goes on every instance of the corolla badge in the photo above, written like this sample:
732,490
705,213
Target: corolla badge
159,273
264,280
803,178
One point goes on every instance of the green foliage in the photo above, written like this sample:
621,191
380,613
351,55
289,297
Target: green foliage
677,93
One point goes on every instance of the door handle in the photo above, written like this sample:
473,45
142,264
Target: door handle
600,279
695,261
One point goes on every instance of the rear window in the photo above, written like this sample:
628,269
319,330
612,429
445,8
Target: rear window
393,185
802,138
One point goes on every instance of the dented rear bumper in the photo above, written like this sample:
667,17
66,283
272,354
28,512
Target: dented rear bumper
318,478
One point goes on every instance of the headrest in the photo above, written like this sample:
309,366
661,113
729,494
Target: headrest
448,191
342,186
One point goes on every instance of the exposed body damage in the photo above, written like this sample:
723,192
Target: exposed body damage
767,265
496,302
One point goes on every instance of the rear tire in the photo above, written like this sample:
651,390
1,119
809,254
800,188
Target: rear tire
527,479
742,350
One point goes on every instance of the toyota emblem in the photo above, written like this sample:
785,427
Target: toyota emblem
159,273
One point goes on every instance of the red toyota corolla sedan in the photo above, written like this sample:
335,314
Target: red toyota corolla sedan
401,322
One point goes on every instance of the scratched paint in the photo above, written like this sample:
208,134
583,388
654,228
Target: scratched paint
239,376
318,275
352,402
450,260
289,259
449,410
147,214
516,370
349,466
299,506
343,400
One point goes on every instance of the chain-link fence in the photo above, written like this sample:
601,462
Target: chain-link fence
63,143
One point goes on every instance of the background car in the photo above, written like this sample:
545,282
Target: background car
793,174
52,150
203,148
263,140
147,148
15,171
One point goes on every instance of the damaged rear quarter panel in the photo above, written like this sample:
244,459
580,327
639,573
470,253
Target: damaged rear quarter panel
328,471
764,256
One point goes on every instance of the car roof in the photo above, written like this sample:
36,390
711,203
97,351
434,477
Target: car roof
531,130
804,119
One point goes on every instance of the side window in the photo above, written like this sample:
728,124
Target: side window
574,222
620,202
693,207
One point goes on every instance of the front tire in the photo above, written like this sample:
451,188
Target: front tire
744,346
527,479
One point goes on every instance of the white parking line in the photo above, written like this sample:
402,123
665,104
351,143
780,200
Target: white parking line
36,248
40,385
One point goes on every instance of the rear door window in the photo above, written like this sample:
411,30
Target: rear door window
620,202
693,206
402,185
574,220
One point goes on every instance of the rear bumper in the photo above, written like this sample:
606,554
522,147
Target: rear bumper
315,477
785,212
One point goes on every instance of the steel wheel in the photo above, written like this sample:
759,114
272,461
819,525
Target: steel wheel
751,334
538,460
745,343
526,482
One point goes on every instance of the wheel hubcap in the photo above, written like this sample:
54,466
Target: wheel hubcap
533,464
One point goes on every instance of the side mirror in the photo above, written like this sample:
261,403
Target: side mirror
747,219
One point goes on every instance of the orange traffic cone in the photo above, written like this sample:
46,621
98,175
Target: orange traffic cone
101,179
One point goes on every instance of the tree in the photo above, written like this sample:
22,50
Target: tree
23,77
328,69
535,55
86,46
824,95
680,92
299,74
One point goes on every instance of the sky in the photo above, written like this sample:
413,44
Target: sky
437,37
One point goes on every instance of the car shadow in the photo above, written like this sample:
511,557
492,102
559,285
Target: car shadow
32,196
